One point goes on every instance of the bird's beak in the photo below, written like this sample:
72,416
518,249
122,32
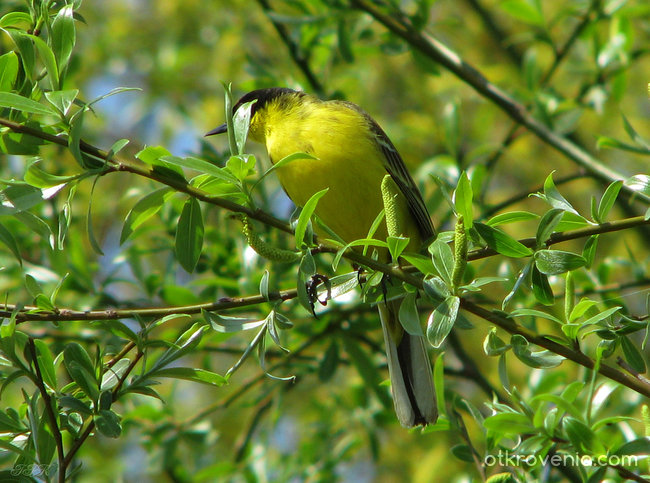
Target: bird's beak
217,130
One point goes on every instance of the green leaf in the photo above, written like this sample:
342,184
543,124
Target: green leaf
342,284
511,217
422,263
200,166
38,178
474,285
632,355
89,225
409,316
463,453
26,49
611,143
189,235
10,242
463,200
62,100
240,124
306,269
583,439
191,374
443,260
111,378
16,19
640,183
541,288
23,104
608,200
8,71
108,423
640,446
112,92
226,324
75,405
554,198
508,424
541,359
572,221
144,209
37,225
46,364
435,289
86,380
634,136
47,56
63,36
74,138
116,148
19,197
555,262
547,224
264,285
305,216
442,320
581,308
241,166
589,250
396,245
118,329
501,242
154,155
493,345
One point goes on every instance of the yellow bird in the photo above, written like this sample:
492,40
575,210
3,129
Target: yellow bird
352,156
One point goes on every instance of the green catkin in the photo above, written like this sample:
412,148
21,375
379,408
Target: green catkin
569,296
262,248
460,253
393,201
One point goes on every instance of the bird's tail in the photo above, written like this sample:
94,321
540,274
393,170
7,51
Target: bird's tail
411,378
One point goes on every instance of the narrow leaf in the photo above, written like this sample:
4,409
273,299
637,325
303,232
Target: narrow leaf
189,235
441,320
305,215
555,262
502,242
23,104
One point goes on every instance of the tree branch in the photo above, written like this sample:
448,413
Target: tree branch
440,53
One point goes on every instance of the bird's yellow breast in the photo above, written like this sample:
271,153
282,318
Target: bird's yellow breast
349,162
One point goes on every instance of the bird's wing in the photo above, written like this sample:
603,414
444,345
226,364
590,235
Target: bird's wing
397,169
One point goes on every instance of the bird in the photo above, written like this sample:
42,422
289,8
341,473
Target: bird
350,155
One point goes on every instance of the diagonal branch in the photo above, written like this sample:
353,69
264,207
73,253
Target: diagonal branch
438,52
